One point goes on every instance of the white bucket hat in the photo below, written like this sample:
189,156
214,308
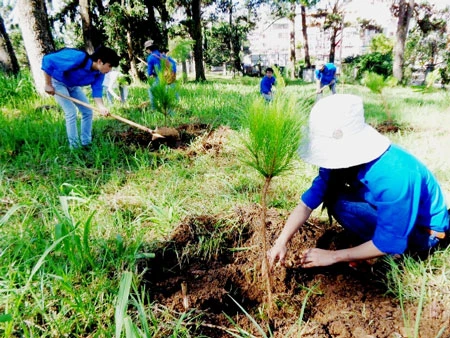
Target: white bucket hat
338,136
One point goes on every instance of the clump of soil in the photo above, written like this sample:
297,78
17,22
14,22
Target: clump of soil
177,137
218,257
391,127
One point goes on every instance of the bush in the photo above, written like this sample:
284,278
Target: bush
374,62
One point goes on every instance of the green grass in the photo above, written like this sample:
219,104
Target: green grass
72,225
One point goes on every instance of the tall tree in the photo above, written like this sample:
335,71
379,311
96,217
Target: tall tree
193,24
84,18
125,25
333,21
224,40
292,58
287,9
8,60
86,25
304,4
403,10
195,30
34,24
158,17
432,25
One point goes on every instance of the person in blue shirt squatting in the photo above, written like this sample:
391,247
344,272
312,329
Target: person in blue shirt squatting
325,76
374,189
266,84
154,60
65,71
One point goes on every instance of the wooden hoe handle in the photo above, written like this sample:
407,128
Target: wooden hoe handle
120,118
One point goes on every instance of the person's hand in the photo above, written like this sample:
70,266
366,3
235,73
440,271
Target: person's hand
49,89
318,91
104,111
317,257
277,254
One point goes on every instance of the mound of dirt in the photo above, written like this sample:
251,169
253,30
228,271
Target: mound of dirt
174,137
217,259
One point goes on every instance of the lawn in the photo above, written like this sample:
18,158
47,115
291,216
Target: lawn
141,238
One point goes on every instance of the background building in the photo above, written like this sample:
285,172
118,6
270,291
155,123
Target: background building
270,41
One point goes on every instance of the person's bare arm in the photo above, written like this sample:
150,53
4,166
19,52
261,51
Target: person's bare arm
49,89
113,93
319,257
318,89
101,106
295,220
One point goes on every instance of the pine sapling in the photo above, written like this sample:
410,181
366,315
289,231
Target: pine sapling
377,83
273,137
165,97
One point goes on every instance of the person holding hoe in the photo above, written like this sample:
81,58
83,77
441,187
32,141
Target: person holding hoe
325,75
65,71
375,190
155,60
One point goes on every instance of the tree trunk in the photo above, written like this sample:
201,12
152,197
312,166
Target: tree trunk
165,17
86,26
230,41
404,16
33,22
292,58
157,30
305,38
8,60
133,68
332,45
267,275
184,69
196,34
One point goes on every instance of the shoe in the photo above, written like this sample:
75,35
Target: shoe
86,147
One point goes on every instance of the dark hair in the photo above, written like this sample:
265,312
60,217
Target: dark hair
268,69
107,55
341,182
153,48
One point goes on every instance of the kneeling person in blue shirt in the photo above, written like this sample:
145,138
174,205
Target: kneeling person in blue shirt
374,189
68,69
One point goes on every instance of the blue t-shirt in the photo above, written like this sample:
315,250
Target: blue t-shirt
266,84
403,191
154,63
327,74
73,67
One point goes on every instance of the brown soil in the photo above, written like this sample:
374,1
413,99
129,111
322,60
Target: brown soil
343,302
217,258
179,137
391,127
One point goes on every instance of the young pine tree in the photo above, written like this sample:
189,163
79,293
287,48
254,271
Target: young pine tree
165,95
377,83
271,143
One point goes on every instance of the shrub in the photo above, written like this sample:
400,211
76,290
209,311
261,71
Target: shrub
374,62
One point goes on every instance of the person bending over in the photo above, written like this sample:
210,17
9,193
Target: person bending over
376,190
65,72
